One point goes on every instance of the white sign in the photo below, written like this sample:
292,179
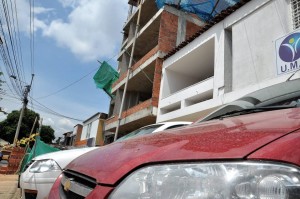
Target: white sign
288,53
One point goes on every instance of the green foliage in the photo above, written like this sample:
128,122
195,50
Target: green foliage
9,125
47,134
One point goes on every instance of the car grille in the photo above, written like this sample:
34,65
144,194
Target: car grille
76,185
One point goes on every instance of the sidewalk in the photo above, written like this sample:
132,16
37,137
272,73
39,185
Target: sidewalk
8,187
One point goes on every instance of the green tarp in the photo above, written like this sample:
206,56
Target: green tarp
39,148
105,77
25,160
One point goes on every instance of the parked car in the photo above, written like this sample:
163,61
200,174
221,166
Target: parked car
248,149
153,128
37,180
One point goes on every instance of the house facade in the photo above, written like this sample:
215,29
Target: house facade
239,52
92,131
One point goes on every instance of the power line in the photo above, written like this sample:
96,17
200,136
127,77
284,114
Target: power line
71,84
31,5
20,49
12,39
10,49
68,85
54,112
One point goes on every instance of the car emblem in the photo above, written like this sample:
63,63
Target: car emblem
67,185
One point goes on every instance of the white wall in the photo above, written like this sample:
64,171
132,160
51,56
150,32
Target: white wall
254,28
254,57
175,81
84,132
94,128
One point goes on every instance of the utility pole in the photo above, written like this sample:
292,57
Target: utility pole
25,102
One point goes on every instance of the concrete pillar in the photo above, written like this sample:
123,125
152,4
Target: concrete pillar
181,29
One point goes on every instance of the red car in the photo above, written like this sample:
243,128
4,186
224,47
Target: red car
248,149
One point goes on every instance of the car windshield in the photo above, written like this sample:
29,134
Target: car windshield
142,131
279,96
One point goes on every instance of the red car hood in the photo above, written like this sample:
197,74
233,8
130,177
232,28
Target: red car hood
231,138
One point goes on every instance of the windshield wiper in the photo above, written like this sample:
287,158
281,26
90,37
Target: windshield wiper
255,109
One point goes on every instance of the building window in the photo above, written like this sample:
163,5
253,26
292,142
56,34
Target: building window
88,130
296,13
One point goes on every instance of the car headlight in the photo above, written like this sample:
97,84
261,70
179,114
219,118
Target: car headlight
41,166
239,180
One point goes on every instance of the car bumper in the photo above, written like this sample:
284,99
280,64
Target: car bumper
38,183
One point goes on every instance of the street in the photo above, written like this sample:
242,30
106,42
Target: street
8,187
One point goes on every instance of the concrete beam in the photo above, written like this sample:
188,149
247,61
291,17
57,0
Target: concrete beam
149,111
181,29
135,72
186,16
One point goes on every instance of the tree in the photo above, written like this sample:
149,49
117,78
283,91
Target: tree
9,125
47,134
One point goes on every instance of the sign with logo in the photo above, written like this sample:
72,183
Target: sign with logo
288,53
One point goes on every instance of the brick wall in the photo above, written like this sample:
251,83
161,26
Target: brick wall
136,108
191,29
166,42
14,161
156,82
137,64
78,133
111,120
145,58
167,32
81,143
130,111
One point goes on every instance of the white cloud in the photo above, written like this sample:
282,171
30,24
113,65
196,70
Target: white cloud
42,10
23,12
60,125
69,3
65,125
92,30
49,122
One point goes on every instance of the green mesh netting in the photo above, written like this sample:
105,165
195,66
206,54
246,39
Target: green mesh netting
105,77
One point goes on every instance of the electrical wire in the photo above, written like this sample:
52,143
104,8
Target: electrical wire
20,48
54,112
76,81
31,2
10,49
12,39
69,85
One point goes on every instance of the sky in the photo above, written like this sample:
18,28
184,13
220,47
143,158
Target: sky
69,37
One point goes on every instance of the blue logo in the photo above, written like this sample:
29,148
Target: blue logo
289,50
